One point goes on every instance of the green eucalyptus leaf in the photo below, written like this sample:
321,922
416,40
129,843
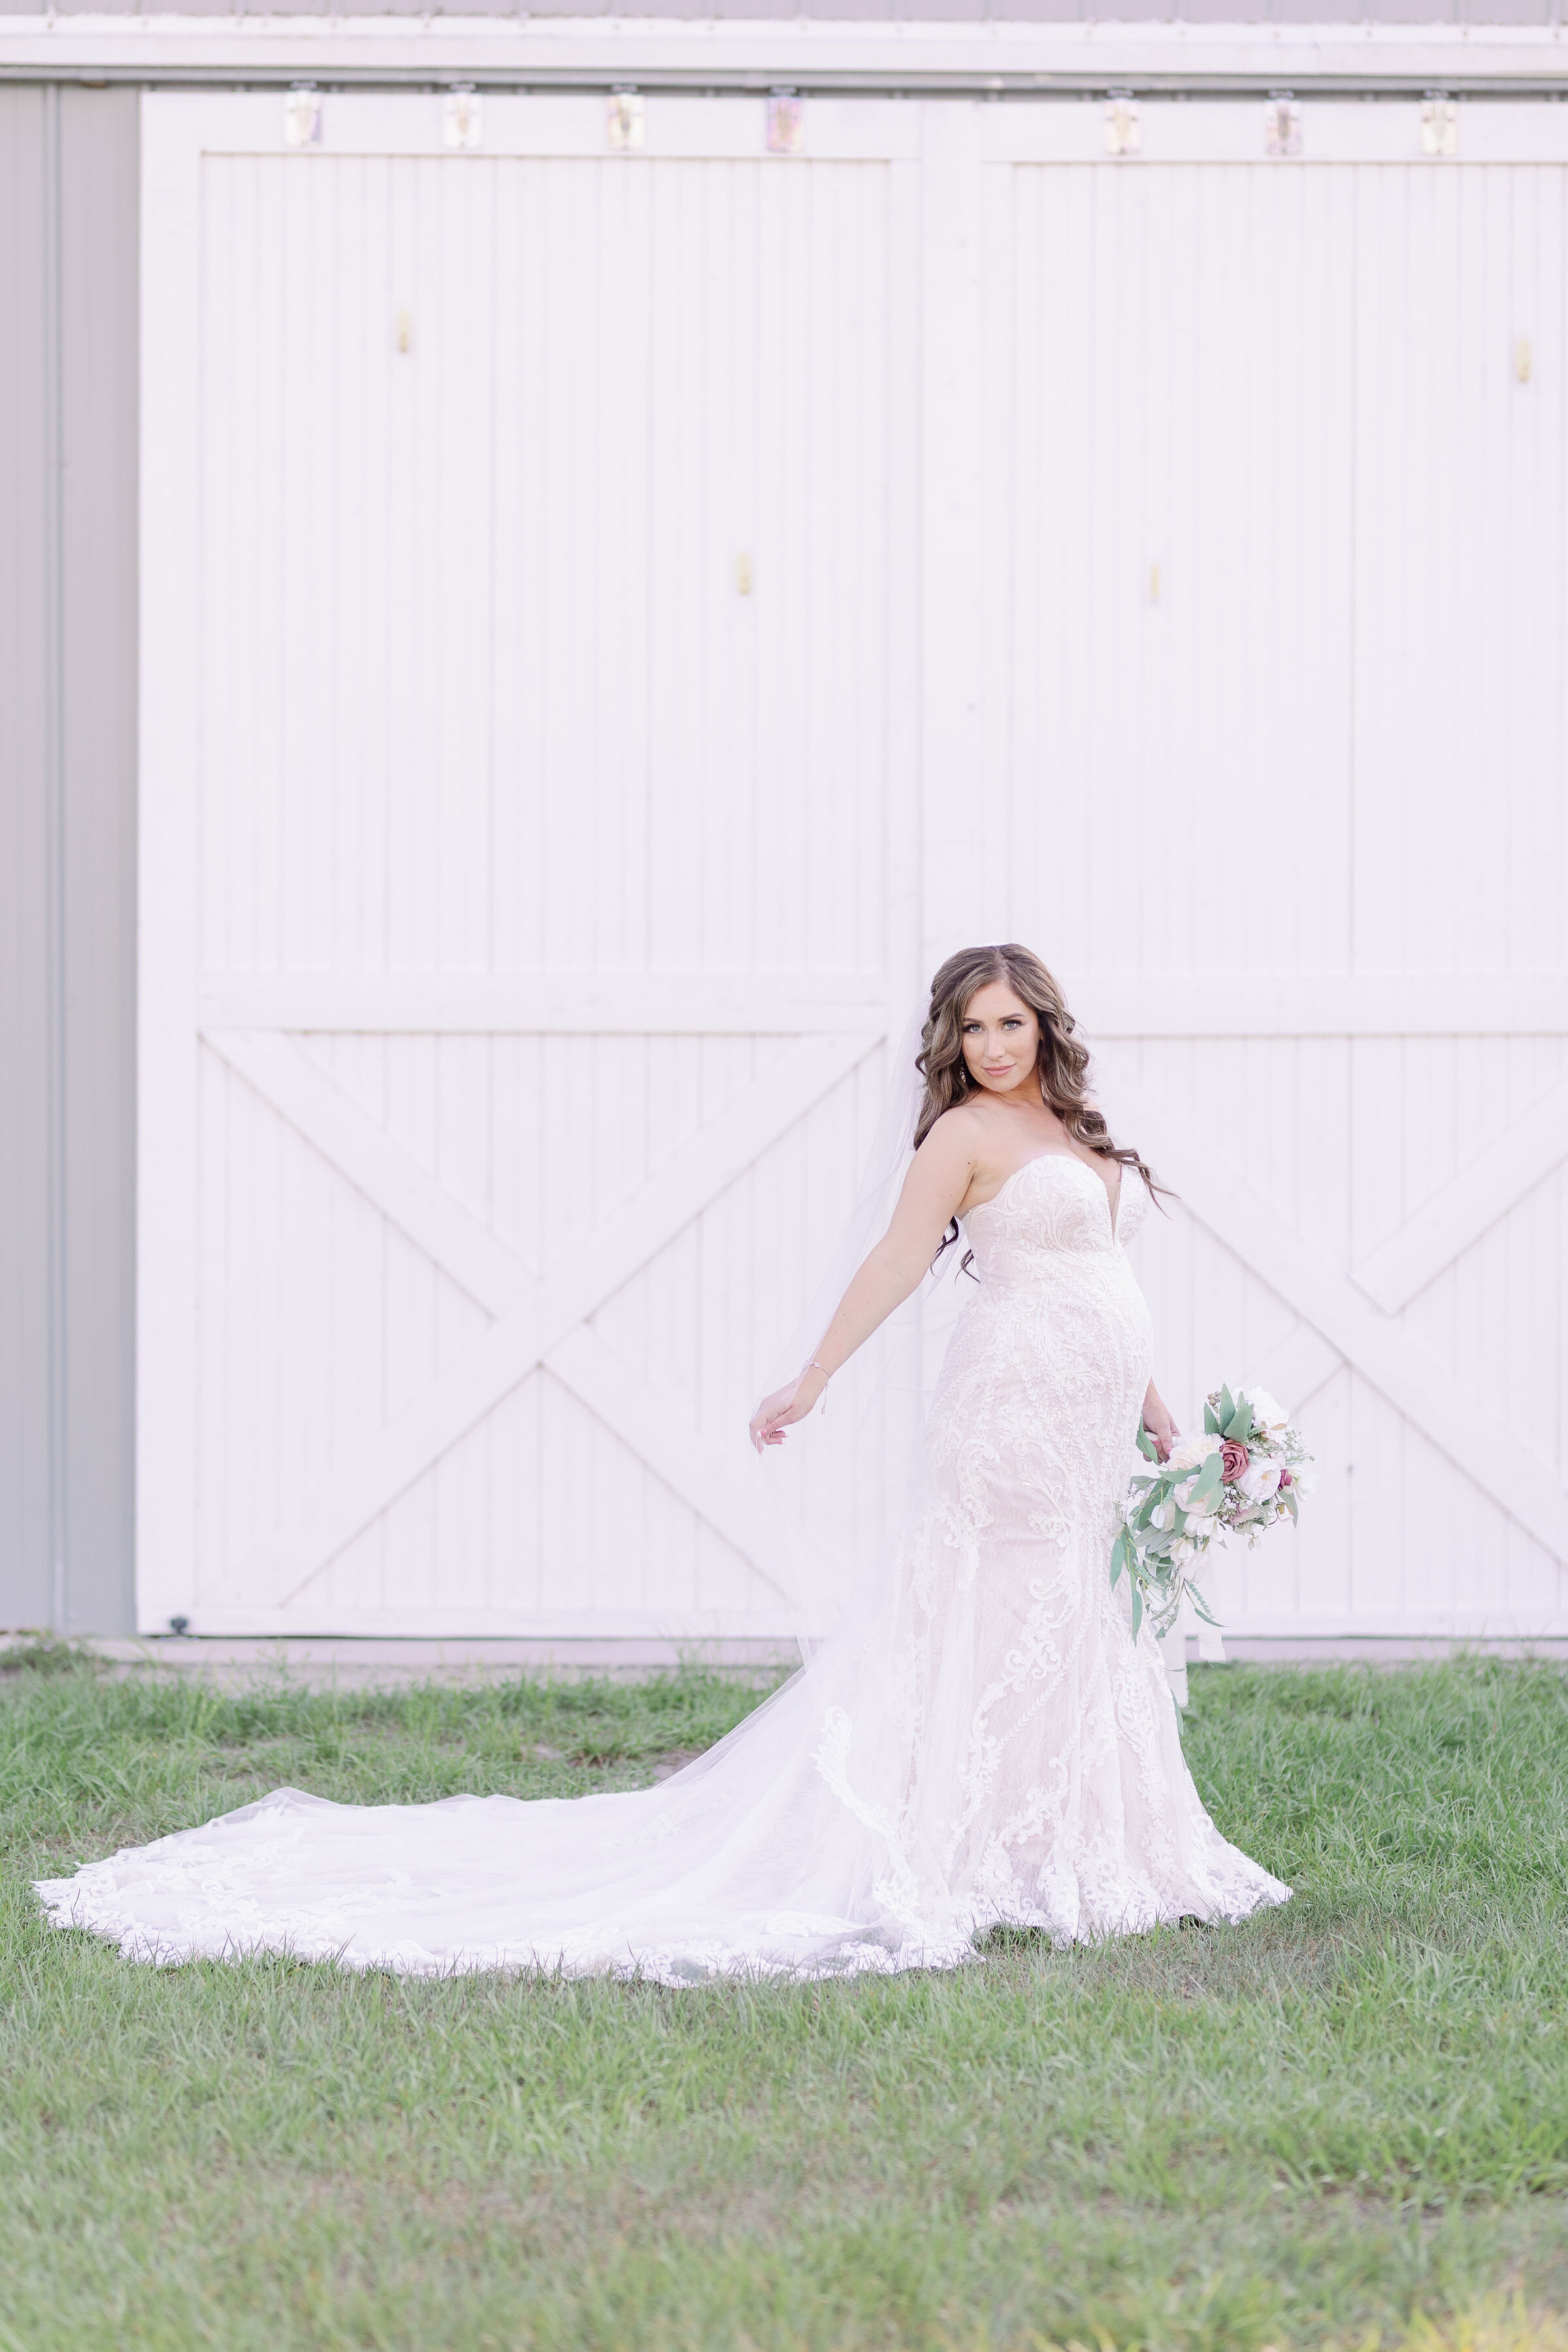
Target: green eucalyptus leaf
1211,1425
1211,1477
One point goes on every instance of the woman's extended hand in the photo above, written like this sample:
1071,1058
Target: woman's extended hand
777,1412
1158,1422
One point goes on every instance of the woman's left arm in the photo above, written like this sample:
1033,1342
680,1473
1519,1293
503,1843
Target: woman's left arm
933,1192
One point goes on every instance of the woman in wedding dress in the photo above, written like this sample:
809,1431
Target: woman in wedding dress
983,1742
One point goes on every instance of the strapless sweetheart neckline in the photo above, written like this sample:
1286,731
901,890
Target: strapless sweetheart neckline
1068,1159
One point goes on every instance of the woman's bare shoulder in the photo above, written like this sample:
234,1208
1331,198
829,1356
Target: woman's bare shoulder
961,1129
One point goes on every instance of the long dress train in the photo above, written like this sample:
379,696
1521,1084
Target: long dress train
984,1743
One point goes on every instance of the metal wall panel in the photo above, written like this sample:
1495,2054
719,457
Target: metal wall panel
25,1546
98,377
67,769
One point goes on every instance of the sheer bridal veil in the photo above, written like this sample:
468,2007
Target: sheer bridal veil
836,1492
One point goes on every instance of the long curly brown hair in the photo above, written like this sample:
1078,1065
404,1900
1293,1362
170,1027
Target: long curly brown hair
1063,1061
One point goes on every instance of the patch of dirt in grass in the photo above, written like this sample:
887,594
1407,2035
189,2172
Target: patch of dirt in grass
44,1653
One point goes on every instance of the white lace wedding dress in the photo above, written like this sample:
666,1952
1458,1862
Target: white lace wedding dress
985,1742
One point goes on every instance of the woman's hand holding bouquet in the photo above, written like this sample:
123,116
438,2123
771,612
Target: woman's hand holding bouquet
1248,1468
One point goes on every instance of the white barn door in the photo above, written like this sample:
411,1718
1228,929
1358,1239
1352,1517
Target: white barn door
611,620
1273,709
525,615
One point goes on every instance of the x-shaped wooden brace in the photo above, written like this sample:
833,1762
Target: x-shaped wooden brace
1349,1319
538,1320
1343,1318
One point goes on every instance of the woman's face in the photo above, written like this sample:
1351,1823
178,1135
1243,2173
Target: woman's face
1000,1039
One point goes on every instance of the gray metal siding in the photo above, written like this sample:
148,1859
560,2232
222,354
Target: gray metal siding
25,1108
98,212
67,785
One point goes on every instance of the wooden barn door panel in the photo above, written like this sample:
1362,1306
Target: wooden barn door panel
614,618
548,688
1275,631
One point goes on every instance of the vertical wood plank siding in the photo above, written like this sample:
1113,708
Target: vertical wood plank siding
1233,655
482,696
68,163
1278,689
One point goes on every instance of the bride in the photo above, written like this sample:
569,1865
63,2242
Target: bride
983,1742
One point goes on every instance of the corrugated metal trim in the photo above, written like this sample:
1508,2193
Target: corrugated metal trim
1003,89
1000,57
1194,15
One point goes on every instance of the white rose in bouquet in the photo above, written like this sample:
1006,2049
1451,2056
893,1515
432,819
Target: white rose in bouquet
1259,1478
1267,1414
1192,1453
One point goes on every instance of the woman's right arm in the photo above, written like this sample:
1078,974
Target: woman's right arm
939,1177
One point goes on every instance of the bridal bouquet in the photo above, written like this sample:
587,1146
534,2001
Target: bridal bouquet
1247,1469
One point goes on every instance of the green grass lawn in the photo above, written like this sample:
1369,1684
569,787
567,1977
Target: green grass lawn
1345,2123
